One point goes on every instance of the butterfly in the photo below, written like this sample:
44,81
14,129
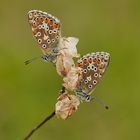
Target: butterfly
47,31
92,68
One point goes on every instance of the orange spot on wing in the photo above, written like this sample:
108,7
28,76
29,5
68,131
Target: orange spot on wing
34,31
37,23
98,61
58,26
79,65
41,18
94,60
85,60
89,60
102,66
46,20
51,22
55,25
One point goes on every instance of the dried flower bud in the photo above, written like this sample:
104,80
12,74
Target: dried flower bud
63,64
66,105
68,50
72,79
67,46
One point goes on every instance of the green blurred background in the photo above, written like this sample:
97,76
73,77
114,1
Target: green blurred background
28,93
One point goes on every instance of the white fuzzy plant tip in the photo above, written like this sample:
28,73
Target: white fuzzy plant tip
67,50
68,46
66,105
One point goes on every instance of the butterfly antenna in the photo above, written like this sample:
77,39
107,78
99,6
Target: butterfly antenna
31,60
101,102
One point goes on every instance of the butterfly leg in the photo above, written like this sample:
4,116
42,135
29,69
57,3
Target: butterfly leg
56,52
83,96
51,57
45,58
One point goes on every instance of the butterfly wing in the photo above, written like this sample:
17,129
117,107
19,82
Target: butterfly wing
45,28
93,67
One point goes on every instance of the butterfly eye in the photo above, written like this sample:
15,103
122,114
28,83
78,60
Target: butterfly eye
88,98
46,58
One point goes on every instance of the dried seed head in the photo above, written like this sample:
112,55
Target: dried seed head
68,46
66,105
72,79
67,51
63,64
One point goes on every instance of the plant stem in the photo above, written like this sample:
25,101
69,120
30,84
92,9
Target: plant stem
44,121
39,125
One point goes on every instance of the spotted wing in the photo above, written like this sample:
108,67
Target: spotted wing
45,28
93,66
